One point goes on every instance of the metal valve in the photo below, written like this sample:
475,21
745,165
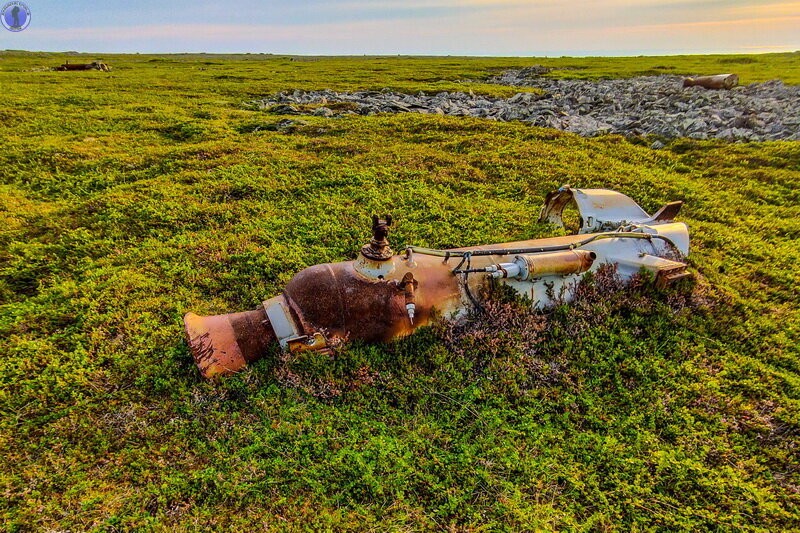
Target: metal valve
378,248
409,286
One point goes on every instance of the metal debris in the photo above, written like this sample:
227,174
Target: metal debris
381,296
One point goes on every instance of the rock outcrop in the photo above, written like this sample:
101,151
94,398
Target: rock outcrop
653,105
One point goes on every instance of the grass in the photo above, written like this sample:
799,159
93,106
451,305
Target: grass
132,197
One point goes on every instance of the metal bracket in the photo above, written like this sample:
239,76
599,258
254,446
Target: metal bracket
306,343
281,320
666,271
289,336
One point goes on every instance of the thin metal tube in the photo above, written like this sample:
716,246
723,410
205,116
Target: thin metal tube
541,249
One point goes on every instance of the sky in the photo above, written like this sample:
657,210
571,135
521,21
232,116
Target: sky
419,27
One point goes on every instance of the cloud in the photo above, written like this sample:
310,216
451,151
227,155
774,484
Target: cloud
338,37
766,10
757,24
471,27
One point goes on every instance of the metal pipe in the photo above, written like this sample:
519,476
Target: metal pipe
543,249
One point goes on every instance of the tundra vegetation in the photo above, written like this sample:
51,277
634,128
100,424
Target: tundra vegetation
128,198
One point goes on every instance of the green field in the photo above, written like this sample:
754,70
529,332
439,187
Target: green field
128,198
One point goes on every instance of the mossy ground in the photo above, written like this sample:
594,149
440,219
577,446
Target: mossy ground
132,197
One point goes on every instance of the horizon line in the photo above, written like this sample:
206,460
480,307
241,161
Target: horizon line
546,55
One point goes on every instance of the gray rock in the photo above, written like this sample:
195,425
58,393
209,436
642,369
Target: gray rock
283,109
323,112
655,105
726,134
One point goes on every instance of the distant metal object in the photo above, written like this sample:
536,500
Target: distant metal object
381,296
720,81
94,65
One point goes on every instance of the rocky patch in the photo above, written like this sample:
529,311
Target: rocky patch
653,105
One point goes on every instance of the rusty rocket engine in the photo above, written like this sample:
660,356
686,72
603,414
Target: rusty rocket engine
382,295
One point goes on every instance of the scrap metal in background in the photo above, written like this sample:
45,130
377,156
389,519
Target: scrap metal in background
720,81
382,295
94,65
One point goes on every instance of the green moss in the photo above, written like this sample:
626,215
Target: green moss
131,197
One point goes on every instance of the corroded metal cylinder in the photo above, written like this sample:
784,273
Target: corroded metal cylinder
223,344
559,263
346,303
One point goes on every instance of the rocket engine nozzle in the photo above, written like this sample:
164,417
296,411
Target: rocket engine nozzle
223,344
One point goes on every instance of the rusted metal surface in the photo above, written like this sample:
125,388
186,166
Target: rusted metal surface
223,344
309,343
342,303
720,81
381,296
409,287
559,263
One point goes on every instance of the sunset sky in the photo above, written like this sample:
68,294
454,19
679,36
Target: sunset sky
457,27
